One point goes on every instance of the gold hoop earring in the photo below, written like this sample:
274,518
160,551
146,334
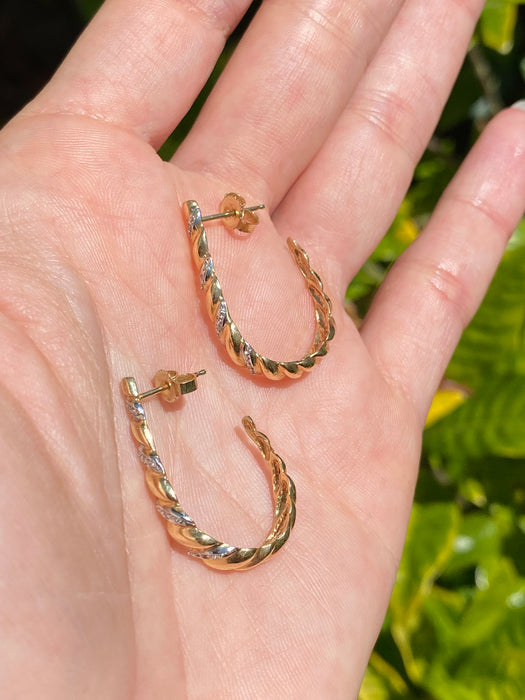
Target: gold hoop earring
236,215
215,554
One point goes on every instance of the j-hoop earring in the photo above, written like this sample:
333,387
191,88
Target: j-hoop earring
236,215
218,555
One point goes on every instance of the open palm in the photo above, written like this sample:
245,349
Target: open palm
322,114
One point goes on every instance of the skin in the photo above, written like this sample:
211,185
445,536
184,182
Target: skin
322,114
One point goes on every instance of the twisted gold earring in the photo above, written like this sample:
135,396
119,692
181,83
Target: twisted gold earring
215,554
236,215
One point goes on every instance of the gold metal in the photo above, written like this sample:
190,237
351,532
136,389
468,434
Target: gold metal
181,527
237,347
236,214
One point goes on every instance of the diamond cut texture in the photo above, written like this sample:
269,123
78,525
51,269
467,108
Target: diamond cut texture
136,410
151,461
194,220
206,271
247,351
218,552
175,516
220,319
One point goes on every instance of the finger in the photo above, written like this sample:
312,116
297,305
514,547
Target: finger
283,89
345,201
140,64
435,287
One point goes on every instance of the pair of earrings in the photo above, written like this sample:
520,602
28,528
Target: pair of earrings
171,386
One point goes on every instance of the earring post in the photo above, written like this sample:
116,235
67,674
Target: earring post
232,212
152,392
167,385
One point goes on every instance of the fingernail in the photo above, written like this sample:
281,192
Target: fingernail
520,104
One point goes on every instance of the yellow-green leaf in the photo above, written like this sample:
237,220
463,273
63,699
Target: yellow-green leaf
497,26
445,401
382,681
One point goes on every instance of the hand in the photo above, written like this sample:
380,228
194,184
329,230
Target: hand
322,113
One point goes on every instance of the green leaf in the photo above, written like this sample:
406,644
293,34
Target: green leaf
429,544
480,539
443,687
382,682
489,423
503,480
443,609
488,609
494,341
490,640
480,636
497,25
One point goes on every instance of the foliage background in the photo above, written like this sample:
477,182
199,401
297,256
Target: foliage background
455,628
